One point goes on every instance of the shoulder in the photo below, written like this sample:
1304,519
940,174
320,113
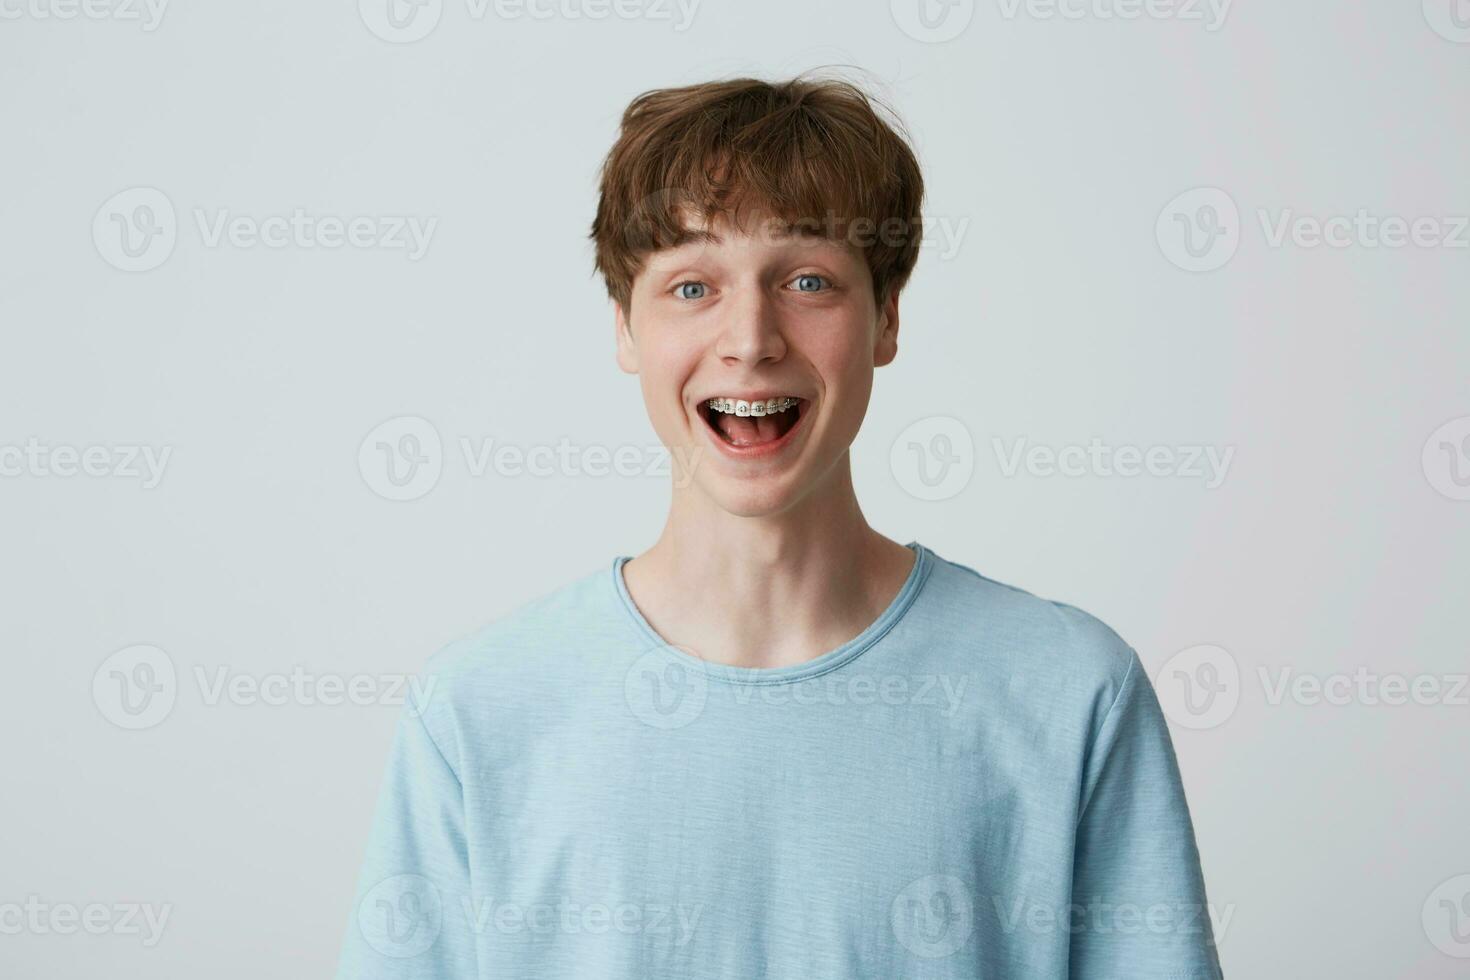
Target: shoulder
1035,639
528,655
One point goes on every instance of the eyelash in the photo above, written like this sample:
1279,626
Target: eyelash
805,275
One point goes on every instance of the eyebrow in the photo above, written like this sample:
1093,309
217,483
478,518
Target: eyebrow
701,235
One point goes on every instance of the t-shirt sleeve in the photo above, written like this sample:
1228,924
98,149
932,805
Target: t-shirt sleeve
1138,897
407,920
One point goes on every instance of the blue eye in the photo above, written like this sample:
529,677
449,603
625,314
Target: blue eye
809,283
681,290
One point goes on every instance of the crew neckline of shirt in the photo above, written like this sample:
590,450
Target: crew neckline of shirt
831,660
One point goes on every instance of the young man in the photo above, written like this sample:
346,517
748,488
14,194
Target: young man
777,744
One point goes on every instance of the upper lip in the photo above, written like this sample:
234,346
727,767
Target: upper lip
760,395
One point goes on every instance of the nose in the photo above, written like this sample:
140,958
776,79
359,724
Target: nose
750,330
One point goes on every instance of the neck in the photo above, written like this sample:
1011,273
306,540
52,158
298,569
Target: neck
772,590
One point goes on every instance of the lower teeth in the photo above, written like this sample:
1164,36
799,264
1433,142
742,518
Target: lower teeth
752,430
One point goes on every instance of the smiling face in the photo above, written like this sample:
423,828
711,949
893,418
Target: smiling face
755,348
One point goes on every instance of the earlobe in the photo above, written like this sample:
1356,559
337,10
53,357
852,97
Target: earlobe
885,349
627,350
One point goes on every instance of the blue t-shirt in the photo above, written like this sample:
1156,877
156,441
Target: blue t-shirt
979,785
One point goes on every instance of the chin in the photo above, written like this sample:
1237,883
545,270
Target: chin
749,497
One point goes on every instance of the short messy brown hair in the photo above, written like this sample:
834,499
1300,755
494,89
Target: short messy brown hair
813,151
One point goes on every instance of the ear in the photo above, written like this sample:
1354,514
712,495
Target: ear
885,346
627,349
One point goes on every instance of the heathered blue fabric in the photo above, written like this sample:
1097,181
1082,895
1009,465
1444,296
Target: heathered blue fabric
980,785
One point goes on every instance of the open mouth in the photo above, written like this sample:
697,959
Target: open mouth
747,424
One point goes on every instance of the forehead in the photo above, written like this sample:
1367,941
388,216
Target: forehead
756,233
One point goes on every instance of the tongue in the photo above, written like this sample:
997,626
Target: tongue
748,430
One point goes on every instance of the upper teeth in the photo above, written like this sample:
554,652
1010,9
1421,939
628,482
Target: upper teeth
739,406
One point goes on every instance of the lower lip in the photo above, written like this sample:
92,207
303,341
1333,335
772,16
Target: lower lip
762,450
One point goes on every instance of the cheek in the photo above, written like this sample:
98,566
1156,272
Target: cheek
843,356
665,367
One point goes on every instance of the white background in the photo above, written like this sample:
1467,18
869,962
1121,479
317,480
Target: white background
1334,543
